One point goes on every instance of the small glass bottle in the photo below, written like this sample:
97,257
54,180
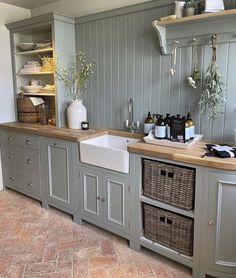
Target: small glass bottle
43,114
187,130
191,126
148,124
167,124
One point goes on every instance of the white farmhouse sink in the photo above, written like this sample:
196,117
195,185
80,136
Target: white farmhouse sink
107,151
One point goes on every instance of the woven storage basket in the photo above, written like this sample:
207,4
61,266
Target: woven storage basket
27,112
169,183
168,228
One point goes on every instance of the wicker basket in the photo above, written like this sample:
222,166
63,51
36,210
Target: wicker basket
27,112
168,228
169,183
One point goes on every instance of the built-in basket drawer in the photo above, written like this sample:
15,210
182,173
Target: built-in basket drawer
20,139
169,229
24,182
169,183
23,159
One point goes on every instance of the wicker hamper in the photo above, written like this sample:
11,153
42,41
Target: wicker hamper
169,183
27,112
168,228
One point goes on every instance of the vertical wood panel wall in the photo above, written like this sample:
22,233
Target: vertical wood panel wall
129,65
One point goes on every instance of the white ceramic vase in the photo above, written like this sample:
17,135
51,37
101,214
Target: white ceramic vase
179,6
76,114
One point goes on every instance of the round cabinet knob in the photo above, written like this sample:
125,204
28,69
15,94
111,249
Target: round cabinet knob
10,156
28,142
98,198
55,144
103,199
30,184
29,161
11,177
9,139
211,222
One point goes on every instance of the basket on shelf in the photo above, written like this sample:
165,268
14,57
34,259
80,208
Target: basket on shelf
169,183
27,112
169,229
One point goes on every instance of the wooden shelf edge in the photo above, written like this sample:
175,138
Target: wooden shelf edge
197,17
35,73
34,52
40,94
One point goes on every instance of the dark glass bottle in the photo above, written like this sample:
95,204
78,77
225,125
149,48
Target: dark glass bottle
167,124
148,124
160,129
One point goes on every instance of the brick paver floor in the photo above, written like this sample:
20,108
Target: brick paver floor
35,242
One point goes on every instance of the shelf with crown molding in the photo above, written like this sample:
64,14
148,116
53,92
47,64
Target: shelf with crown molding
196,26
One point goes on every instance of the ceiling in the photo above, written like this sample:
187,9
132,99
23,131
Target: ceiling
28,4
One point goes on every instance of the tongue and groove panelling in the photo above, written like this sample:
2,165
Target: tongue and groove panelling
129,64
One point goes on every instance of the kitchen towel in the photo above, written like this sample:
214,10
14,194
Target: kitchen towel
222,151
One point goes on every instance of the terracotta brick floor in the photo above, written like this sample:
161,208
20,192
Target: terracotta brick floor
35,242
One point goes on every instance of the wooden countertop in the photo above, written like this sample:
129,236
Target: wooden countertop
64,133
193,155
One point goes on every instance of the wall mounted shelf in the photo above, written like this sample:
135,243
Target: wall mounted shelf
197,26
36,73
35,52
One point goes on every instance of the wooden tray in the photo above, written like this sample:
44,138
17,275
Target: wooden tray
150,139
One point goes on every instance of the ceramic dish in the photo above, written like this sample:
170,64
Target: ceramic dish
26,46
32,89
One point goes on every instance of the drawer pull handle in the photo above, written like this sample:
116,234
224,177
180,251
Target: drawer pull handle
9,139
12,178
211,223
30,184
28,142
29,161
10,156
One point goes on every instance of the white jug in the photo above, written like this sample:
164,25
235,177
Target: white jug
179,6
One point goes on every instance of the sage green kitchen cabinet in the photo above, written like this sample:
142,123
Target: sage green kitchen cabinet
105,199
21,163
219,242
59,173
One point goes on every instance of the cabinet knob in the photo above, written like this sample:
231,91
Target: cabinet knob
55,144
211,222
10,156
103,199
30,184
29,161
28,142
9,139
11,177
98,198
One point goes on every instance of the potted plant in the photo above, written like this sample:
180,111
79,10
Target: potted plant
75,78
189,8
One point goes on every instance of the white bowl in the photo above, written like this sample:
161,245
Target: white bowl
26,46
32,89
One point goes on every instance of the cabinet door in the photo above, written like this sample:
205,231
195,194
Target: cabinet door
59,172
116,202
221,231
91,181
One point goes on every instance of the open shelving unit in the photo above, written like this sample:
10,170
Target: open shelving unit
196,26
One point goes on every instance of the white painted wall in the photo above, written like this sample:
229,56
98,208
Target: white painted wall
8,14
77,8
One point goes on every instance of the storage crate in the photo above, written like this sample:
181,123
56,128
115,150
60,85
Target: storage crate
169,229
169,183
27,112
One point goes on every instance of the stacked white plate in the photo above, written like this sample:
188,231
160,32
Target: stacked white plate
31,89
31,66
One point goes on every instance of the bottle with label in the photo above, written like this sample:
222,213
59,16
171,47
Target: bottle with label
187,130
148,124
167,124
160,129
191,126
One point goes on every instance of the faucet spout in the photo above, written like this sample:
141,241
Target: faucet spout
131,104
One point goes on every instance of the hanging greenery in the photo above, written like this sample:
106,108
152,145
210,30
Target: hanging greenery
212,98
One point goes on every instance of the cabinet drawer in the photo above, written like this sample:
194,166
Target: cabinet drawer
21,181
20,139
23,159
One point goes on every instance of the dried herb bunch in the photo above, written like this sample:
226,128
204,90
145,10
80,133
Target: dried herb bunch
212,98
76,76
